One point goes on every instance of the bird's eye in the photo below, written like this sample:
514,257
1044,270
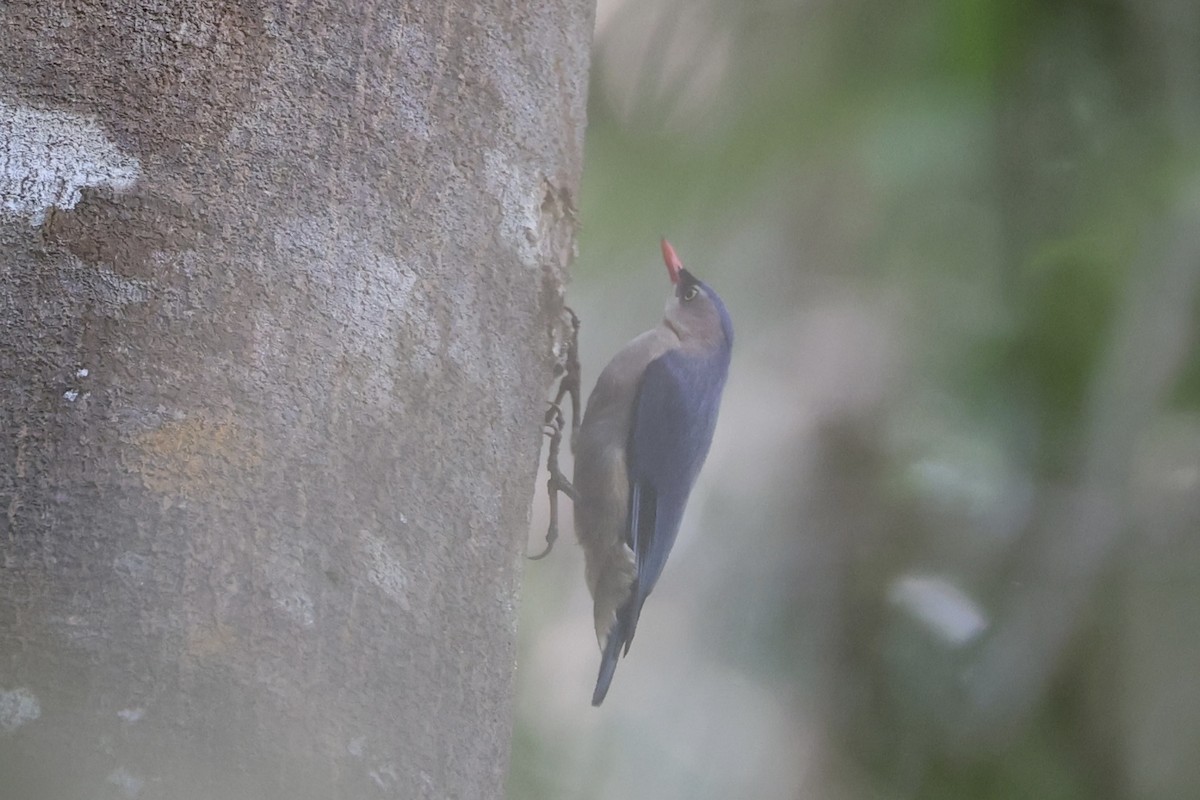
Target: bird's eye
690,293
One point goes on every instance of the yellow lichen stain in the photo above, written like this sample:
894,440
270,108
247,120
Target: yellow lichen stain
207,641
197,455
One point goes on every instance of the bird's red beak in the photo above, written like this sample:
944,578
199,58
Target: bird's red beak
674,265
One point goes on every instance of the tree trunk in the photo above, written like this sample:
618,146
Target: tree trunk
279,288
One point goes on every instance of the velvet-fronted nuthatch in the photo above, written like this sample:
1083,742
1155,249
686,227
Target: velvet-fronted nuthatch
645,434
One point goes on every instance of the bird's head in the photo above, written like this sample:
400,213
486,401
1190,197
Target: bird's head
694,311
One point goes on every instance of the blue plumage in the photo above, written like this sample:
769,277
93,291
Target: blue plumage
674,419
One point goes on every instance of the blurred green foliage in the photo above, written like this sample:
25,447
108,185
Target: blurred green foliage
992,183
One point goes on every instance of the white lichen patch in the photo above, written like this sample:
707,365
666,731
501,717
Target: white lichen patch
415,49
287,579
520,201
298,605
17,707
129,784
360,304
132,715
517,76
467,332
385,569
48,157
100,284
132,568
117,291
385,776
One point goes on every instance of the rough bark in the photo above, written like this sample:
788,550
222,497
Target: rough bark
278,292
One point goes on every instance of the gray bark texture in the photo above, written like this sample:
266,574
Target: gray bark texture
279,291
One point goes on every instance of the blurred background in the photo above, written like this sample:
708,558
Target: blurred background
947,541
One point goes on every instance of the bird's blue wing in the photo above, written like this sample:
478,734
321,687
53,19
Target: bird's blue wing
673,420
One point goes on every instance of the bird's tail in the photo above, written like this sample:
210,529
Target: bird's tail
619,638
608,661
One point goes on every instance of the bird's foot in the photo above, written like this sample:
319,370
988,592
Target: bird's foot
553,425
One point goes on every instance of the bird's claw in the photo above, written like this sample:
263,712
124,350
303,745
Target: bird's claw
551,536
553,421
553,424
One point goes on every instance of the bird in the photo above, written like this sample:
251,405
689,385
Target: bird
646,432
